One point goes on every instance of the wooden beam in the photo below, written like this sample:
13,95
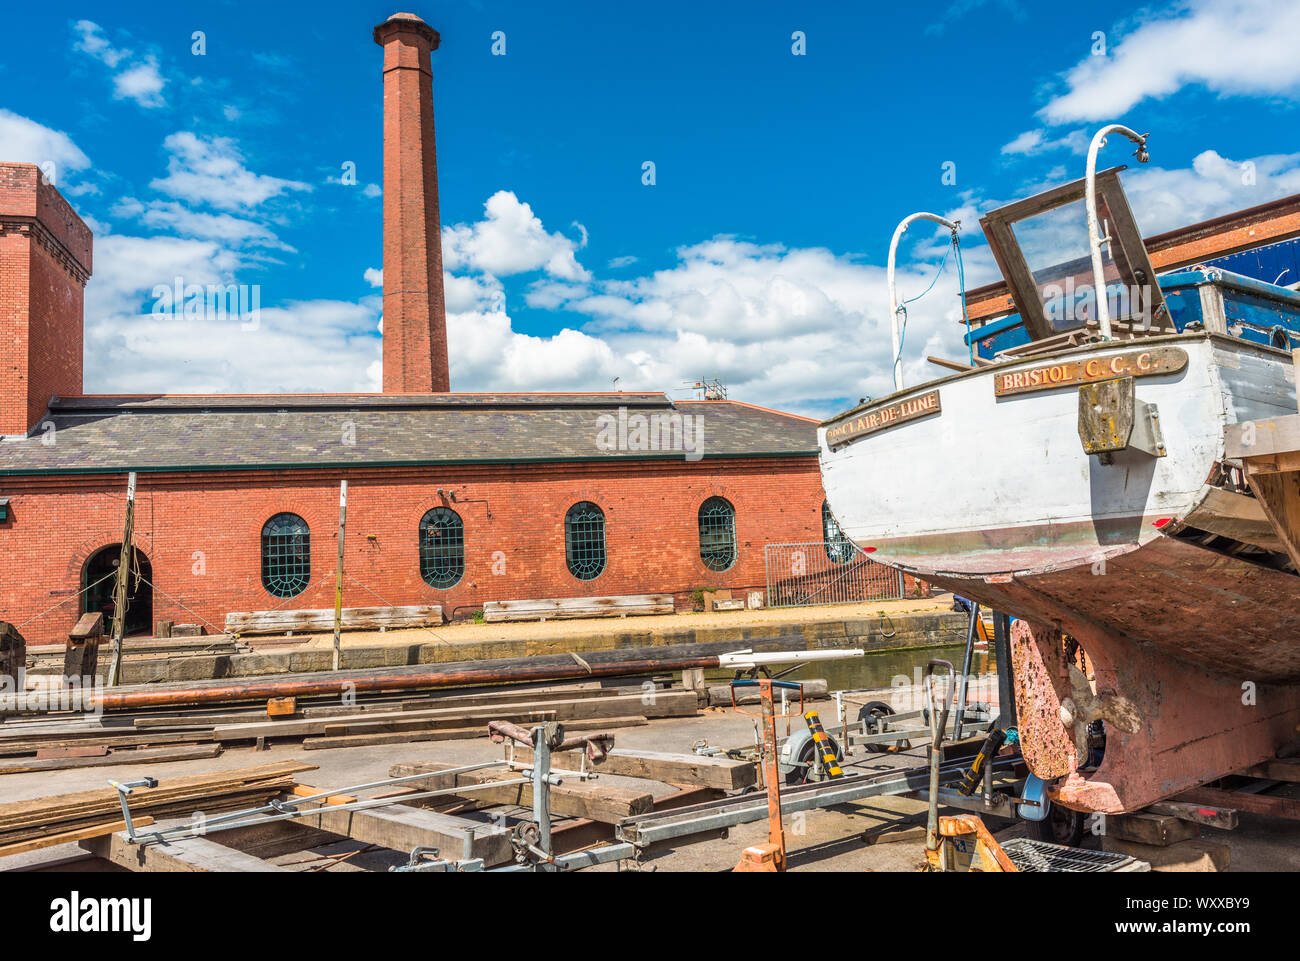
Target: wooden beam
1279,496
1267,805
1278,769
1159,829
456,733
1211,816
322,621
182,855
556,608
401,828
185,753
73,834
574,798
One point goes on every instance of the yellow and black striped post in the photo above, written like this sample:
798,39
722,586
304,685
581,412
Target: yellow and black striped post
823,742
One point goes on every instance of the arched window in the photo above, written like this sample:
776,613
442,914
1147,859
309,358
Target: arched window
442,548
717,534
286,555
584,540
838,547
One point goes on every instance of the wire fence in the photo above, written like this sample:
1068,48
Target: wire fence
809,573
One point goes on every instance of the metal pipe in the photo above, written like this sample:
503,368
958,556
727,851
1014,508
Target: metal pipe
938,721
896,338
1095,240
965,671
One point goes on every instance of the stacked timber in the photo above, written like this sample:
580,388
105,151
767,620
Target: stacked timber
46,821
77,741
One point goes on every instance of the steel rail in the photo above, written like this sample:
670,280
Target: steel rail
648,829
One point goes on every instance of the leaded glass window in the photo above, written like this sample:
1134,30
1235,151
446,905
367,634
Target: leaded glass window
286,555
838,547
442,548
584,540
717,534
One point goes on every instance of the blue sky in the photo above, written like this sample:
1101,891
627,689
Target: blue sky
758,253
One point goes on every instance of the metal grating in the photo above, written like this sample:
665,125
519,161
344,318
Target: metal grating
286,555
805,574
584,540
1034,857
717,534
442,548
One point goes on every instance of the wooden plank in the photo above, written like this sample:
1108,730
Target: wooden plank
402,828
582,799
186,753
724,774
1260,438
1278,769
547,608
322,620
660,704
76,834
180,855
1279,495
43,813
455,734
27,745
1277,807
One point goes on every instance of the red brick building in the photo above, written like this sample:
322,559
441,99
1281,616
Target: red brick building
455,499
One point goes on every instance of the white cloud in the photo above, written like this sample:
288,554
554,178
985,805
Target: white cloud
511,240
26,141
1231,47
212,171
1031,143
801,329
171,216
1214,185
139,79
296,346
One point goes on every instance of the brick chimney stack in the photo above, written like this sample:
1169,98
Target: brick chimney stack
415,319
45,261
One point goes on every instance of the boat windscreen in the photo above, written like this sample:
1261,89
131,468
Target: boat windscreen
1041,245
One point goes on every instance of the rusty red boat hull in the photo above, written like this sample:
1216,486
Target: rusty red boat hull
1198,706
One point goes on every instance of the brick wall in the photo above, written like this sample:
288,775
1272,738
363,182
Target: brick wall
202,533
45,260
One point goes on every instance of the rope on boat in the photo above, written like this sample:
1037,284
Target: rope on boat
961,288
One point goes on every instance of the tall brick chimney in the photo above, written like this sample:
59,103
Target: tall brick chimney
44,265
415,319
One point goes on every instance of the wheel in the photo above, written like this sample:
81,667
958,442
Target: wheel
870,716
808,756
1061,826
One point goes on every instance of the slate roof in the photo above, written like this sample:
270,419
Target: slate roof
187,432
